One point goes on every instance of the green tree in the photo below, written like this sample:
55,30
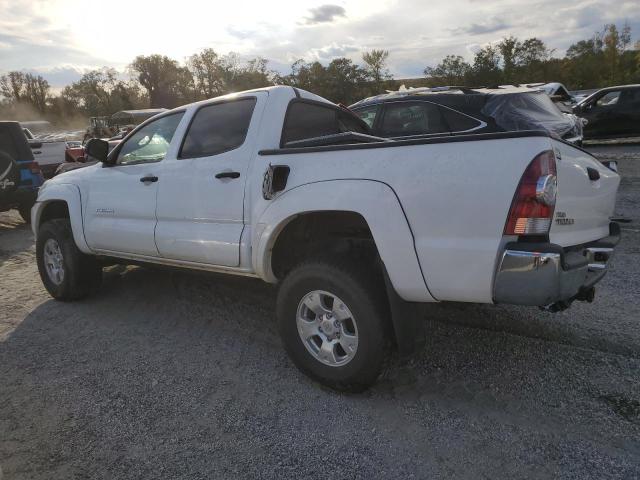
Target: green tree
165,81
452,70
486,66
376,68
20,87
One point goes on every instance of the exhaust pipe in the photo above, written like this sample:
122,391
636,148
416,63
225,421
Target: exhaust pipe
584,295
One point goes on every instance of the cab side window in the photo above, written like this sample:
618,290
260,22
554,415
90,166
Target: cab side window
459,122
402,119
151,142
609,98
306,120
368,114
218,128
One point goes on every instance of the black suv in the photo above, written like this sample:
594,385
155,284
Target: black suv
440,111
611,112
20,175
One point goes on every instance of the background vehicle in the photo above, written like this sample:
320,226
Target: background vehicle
118,123
49,153
611,112
20,175
457,110
282,185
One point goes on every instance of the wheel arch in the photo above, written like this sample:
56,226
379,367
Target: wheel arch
372,201
61,201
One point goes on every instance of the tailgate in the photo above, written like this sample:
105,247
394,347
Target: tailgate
584,205
51,153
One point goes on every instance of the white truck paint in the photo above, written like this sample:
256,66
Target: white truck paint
436,208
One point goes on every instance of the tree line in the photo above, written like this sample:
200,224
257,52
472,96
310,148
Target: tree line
159,81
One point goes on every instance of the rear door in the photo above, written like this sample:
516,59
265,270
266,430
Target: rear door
201,198
628,117
603,115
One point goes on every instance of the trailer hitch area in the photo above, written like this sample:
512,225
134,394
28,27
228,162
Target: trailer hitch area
584,295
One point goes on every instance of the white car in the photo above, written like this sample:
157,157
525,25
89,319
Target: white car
282,185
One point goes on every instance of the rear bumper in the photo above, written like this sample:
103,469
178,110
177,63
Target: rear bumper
544,273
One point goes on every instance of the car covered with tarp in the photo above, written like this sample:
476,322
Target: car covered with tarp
419,112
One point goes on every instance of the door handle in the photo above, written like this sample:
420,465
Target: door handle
228,175
149,178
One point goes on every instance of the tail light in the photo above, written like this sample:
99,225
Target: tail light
532,207
33,167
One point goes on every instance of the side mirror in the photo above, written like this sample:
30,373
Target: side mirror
97,149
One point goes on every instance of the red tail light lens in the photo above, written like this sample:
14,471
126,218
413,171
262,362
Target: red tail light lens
33,167
532,207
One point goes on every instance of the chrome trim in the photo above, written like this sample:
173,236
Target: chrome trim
540,278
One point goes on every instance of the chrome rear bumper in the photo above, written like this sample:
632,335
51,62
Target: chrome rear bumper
545,274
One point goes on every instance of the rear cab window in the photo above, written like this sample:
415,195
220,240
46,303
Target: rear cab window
307,119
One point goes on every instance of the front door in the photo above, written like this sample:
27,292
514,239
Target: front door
201,203
120,213
602,114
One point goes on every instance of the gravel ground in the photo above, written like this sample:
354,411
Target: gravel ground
177,375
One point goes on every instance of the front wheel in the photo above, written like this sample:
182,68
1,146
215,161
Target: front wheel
66,272
333,319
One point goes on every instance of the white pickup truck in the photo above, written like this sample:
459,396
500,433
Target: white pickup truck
280,184
48,152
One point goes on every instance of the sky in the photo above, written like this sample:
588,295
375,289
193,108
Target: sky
61,39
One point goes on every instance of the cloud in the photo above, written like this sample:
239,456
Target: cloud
329,52
325,14
493,25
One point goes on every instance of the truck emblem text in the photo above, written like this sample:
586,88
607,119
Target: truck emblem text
561,219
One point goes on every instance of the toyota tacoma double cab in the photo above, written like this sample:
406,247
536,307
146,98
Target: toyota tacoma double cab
280,184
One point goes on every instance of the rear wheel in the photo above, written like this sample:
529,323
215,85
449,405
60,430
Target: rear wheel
66,272
333,319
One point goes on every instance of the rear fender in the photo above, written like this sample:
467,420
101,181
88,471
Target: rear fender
70,194
375,201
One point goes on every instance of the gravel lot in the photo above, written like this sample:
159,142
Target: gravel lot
177,375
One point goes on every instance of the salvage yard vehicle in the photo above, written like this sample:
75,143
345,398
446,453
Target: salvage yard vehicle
611,112
20,175
282,185
419,112
50,153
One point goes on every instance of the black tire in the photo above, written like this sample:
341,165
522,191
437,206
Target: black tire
9,175
25,212
82,273
362,291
